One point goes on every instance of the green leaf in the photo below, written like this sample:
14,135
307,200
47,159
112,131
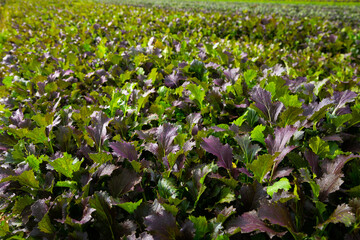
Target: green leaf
249,76
45,225
69,184
257,134
261,166
290,116
222,237
239,121
283,183
153,75
130,207
100,158
4,227
26,178
227,195
66,165
171,208
21,204
201,226
35,162
252,117
7,81
354,191
51,87
290,101
38,135
319,146
305,174
167,188
338,121
197,94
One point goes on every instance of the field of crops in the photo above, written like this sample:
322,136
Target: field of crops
130,122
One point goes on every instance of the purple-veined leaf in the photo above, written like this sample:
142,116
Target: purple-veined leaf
222,152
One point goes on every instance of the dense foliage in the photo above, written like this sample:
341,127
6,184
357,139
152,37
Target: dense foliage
328,10
145,123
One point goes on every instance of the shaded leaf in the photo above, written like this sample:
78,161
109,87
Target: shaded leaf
249,150
45,225
162,225
123,181
276,213
249,222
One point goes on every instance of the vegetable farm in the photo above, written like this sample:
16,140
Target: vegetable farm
143,121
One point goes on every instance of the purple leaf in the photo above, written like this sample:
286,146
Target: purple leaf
222,152
283,172
17,118
123,181
165,137
124,149
252,195
39,209
249,222
342,214
341,98
98,130
335,166
282,137
172,80
105,170
315,111
87,211
162,225
313,161
262,99
232,74
329,183
276,213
